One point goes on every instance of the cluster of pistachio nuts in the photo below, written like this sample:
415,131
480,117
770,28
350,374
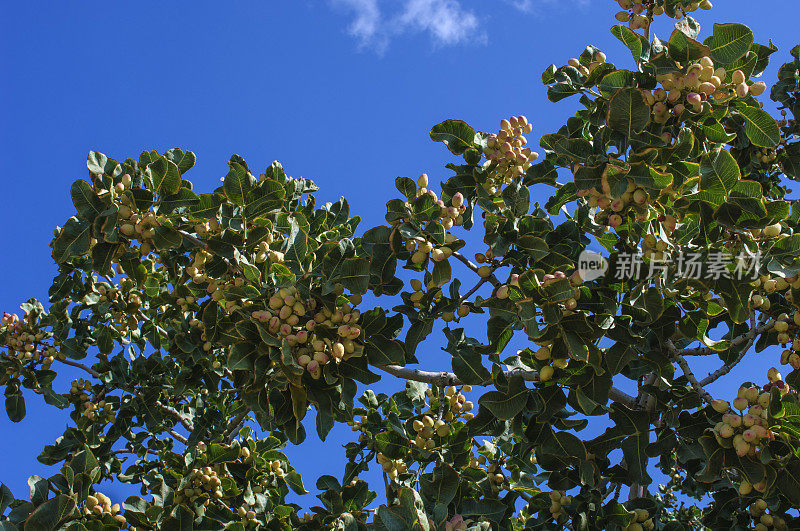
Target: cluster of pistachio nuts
507,154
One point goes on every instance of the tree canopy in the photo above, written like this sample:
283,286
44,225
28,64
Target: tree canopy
667,235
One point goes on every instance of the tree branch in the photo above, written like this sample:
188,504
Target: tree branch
408,373
751,334
687,371
464,260
200,243
178,437
174,413
750,338
230,433
81,366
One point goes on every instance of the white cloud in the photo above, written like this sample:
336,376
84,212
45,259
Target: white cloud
528,6
446,21
522,5
367,21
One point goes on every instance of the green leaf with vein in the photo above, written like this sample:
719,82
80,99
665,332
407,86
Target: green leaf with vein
761,128
634,428
49,514
165,176
788,482
238,183
468,366
627,112
637,44
72,241
729,42
719,174
442,484
383,351
86,202
506,406
457,135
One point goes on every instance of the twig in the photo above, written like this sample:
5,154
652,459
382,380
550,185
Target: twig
386,485
687,371
408,373
725,369
174,413
441,402
200,243
464,260
178,437
617,491
230,433
194,239
83,367
751,334
524,495
475,288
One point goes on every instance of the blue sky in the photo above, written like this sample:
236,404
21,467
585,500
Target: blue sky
341,91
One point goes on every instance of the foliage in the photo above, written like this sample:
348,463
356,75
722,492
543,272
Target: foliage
192,312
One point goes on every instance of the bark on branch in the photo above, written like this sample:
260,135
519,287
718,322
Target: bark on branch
448,378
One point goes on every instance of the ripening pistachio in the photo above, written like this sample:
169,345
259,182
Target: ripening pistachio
757,89
772,231
542,354
720,406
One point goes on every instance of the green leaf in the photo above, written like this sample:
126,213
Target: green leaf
719,174
788,482
242,357
218,453
685,49
297,241
6,497
99,164
442,485
441,273
468,366
457,135
506,406
15,406
295,482
383,351
86,202
392,444
637,44
238,183
761,128
491,509
181,519
40,489
166,238
633,429
517,198
47,516
72,241
627,112
354,275
407,515
729,42
165,176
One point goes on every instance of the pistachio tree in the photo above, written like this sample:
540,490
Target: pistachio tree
206,325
